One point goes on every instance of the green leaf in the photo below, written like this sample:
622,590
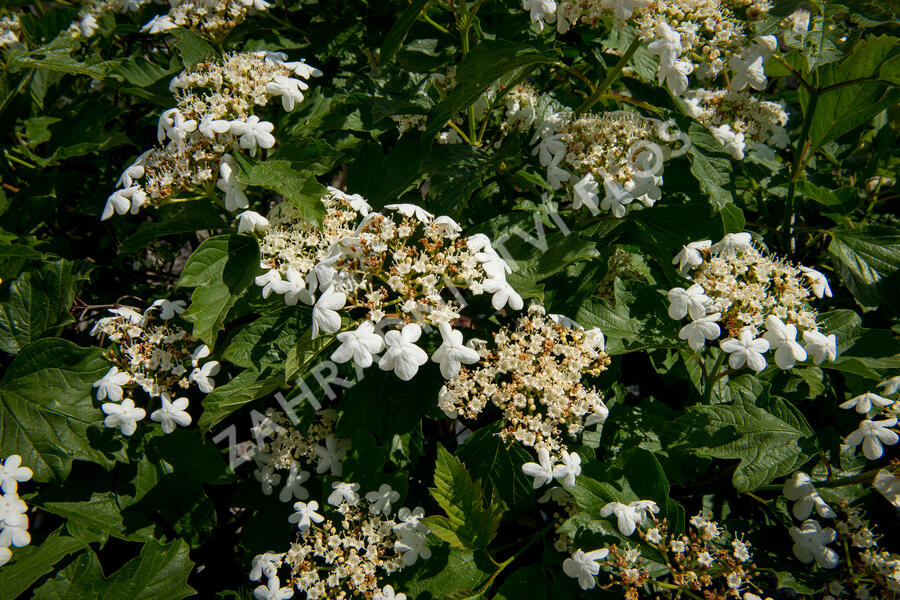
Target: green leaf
395,36
449,570
102,514
867,259
183,217
297,185
765,433
269,339
54,57
38,302
246,387
382,178
14,257
710,166
469,523
301,356
46,408
485,64
191,46
220,269
32,562
491,459
527,582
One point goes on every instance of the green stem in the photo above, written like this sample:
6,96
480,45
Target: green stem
833,483
573,71
712,377
799,164
610,77
430,21
464,33
500,566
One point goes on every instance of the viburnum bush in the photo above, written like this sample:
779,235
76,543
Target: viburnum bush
454,299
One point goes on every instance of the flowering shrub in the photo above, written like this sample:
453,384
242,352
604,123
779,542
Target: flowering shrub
449,299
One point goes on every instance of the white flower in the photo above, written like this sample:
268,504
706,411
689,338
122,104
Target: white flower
864,402
268,478
361,345
747,349
733,142
252,221
171,414
452,353
569,469
168,309
12,474
325,316
697,332
124,416
410,210
748,70
888,485
87,25
412,545
809,544
293,287
357,202
273,591
598,416
344,493
290,90
550,149
891,386
228,183
15,533
402,355
820,347
690,255
268,281
447,226
542,471
306,515
320,277
158,24
110,385
800,490
629,516
540,11
5,553
737,242
642,507
586,193
388,594
410,520
818,281
331,456
134,171
783,339
173,125
202,376
583,566
503,293
382,499
800,22
200,352
691,301
210,127
872,434
121,201
253,133
303,70
293,486
265,564
616,198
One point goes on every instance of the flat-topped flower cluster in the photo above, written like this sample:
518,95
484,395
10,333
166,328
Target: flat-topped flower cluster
738,289
393,269
348,551
533,373
740,121
608,160
151,353
13,510
213,118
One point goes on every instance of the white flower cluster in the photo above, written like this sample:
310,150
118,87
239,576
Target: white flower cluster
873,435
738,121
620,151
161,359
212,118
291,450
533,375
382,270
13,517
739,289
682,33
348,554
9,31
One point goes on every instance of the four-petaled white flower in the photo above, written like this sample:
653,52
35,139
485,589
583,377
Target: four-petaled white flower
747,349
542,471
306,515
202,376
583,566
800,490
691,301
864,402
691,255
783,339
738,242
748,70
810,544
110,385
210,127
629,516
330,457
293,488
402,355
585,192
387,593
124,416
872,434
171,414
382,499
700,330
891,386
819,346
569,469
325,316
361,345
265,564
411,210
293,288
290,90
12,474
168,309
267,478
411,520
173,125
268,281
616,198
344,493
252,221
818,281
412,545
503,293
273,591
253,133
452,353
121,201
